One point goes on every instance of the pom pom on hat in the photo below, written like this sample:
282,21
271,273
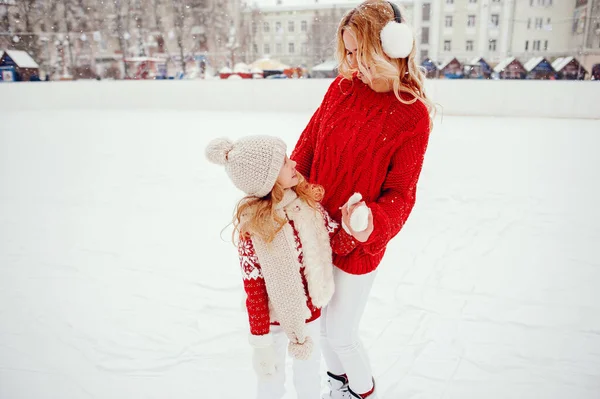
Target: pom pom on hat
397,39
218,150
301,351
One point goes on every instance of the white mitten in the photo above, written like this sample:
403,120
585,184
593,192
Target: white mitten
359,220
264,358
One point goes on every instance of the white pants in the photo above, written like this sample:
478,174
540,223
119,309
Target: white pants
342,348
306,373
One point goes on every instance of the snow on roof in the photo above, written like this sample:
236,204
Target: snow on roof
327,66
477,60
561,62
503,64
532,63
240,67
448,61
21,58
269,64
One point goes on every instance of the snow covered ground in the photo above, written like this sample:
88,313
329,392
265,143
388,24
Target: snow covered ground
116,282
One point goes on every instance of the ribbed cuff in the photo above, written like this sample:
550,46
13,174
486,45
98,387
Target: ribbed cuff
260,341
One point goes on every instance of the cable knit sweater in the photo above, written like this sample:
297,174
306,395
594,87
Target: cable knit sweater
362,141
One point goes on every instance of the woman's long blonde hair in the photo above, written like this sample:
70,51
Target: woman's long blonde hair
365,23
257,216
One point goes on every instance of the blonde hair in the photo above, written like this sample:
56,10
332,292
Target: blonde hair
365,23
257,216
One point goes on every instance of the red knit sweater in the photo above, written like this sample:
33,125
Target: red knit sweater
362,141
257,298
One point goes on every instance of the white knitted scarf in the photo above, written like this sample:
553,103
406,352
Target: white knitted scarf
281,269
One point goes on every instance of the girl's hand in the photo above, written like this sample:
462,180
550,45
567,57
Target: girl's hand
361,236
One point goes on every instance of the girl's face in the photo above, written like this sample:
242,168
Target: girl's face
288,177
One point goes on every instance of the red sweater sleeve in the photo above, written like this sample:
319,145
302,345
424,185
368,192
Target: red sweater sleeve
392,208
305,147
257,300
343,243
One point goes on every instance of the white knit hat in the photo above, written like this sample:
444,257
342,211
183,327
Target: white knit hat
253,163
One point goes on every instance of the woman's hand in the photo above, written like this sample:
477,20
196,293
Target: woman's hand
361,236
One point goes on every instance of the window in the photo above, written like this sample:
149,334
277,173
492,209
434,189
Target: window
291,26
530,3
303,26
529,23
526,45
266,27
255,48
425,35
277,27
539,22
278,48
267,48
536,45
426,12
472,1
469,46
471,20
291,48
495,20
495,1
492,45
545,45
447,45
448,21
254,28
424,55
449,1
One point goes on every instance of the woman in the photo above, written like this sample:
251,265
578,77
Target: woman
369,135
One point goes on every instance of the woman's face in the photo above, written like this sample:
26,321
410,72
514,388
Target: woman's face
288,177
377,84
351,48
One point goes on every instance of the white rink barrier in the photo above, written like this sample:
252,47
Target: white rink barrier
554,99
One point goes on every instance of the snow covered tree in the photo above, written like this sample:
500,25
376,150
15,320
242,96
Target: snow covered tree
322,33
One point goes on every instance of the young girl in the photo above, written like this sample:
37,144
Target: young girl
285,258
368,136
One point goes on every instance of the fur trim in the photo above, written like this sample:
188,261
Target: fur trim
281,271
317,259
397,39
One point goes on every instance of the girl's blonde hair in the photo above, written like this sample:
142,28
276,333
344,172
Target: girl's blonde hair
365,23
257,216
